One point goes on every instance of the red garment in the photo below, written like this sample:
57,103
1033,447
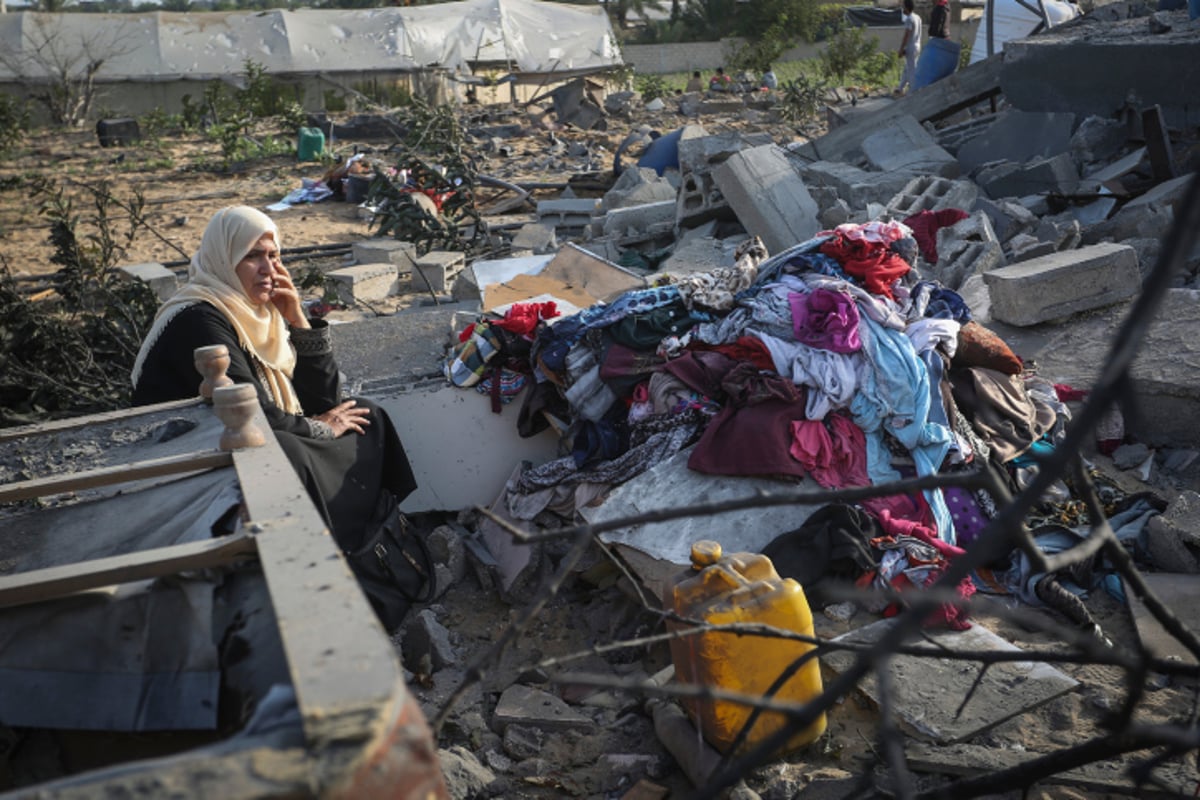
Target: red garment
745,348
522,318
833,450
1067,393
875,266
926,224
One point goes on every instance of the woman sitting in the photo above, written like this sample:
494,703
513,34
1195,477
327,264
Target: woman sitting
239,294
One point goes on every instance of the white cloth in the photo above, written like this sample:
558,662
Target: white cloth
212,278
831,378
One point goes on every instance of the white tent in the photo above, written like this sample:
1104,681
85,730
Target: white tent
523,37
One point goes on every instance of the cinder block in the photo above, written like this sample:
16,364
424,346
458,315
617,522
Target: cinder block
932,193
439,268
569,213
970,258
536,238
858,187
768,196
364,283
638,220
385,251
905,145
699,200
1061,284
162,281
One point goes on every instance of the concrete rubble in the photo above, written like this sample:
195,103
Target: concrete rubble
1064,215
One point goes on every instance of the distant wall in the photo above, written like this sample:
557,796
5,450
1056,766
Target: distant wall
659,59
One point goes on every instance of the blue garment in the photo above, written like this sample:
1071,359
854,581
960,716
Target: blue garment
932,299
894,392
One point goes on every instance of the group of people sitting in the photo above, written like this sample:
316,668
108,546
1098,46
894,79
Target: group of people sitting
719,81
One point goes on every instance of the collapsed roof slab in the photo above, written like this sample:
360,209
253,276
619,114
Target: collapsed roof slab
1098,67
953,93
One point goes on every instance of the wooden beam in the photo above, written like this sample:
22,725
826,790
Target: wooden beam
106,476
45,584
74,423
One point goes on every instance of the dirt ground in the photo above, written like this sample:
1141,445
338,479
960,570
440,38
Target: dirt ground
181,192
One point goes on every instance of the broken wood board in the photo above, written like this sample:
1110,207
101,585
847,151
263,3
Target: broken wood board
1178,592
1110,776
929,690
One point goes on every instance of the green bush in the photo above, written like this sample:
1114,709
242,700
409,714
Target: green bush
14,122
651,86
846,52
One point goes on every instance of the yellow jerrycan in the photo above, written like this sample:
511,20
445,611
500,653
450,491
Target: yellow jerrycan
741,588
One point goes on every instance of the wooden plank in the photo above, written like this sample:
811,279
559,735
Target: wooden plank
344,667
45,584
121,473
941,98
74,423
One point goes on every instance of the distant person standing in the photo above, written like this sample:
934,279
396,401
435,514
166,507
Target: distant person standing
939,20
910,46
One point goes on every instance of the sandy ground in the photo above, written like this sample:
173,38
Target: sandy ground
180,198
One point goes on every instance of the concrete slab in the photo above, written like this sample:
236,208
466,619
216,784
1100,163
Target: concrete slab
1056,70
381,250
1165,392
1056,174
1122,166
906,146
928,691
1106,778
1181,594
1168,193
1061,284
599,278
768,196
1018,136
657,551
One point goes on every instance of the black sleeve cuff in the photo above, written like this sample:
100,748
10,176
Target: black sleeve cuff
314,341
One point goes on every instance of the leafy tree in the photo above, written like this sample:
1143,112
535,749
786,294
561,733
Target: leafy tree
621,10
709,19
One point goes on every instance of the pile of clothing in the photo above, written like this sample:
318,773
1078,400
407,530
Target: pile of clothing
833,361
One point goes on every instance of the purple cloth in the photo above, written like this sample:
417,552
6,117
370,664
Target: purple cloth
826,319
969,520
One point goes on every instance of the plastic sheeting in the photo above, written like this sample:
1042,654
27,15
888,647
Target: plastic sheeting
523,36
134,657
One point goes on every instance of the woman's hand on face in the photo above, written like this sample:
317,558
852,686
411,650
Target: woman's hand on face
286,297
346,416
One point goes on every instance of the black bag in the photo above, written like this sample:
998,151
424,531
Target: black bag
393,565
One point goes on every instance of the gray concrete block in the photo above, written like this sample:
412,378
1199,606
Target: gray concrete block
536,238
637,186
1120,167
968,259
1062,284
905,145
858,187
439,268
1007,218
700,150
636,222
1167,551
385,251
953,137
1026,247
523,705
768,196
1097,139
1141,221
1055,174
569,213
975,294
837,213
932,193
1166,194
1018,136
720,106
364,283
162,281
699,200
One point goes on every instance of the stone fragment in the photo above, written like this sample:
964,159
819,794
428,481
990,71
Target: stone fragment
1130,456
637,186
1061,284
1097,139
1018,136
768,196
1056,174
427,641
524,705
465,776
385,251
905,145
535,237
162,281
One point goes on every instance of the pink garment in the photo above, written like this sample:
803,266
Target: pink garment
833,451
825,319
912,507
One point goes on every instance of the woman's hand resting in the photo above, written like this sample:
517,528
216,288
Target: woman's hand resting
344,417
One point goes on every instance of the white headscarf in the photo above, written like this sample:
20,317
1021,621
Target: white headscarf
212,278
